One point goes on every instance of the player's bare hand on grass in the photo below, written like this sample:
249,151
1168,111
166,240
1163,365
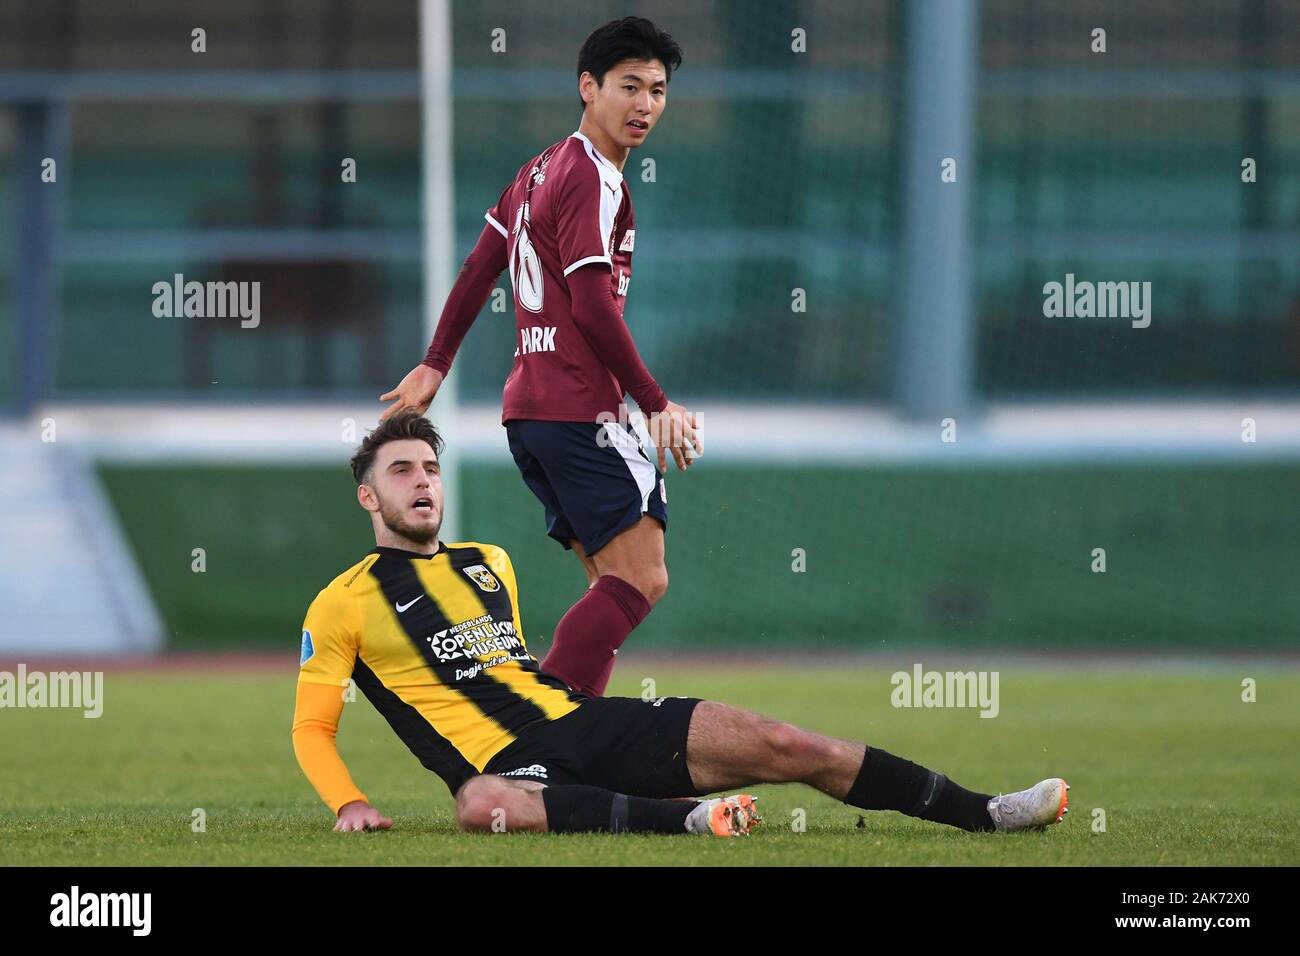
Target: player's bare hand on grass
359,815
415,391
674,430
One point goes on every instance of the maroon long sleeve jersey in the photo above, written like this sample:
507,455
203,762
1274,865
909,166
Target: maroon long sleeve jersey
565,229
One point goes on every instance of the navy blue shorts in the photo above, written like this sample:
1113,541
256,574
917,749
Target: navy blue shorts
592,478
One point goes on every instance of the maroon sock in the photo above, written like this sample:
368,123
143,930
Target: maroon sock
582,653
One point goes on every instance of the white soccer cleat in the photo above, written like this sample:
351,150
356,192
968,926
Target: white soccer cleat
731,816
1034,809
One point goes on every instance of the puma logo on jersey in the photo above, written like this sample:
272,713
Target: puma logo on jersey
629,240
532,770
538,172
535,338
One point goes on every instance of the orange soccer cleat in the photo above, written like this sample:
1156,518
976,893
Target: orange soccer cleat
726,816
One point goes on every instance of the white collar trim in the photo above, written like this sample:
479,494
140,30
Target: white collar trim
598,156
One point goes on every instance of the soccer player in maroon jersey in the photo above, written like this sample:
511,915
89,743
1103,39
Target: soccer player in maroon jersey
564,228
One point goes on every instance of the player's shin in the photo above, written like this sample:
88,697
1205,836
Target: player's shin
577,808
886,782
591,632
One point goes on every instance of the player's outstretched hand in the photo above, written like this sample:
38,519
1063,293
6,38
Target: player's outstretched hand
359,815
674,430
415,391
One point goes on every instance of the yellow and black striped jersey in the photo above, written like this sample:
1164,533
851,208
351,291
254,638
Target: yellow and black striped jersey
435,644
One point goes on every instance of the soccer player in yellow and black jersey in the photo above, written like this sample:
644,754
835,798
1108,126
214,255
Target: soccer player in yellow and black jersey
431,634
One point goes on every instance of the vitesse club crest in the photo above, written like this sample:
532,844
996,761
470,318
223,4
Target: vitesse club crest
482,577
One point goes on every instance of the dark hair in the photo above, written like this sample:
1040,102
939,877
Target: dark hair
632,38
403,425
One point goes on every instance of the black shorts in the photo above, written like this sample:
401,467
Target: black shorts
593,479
624,744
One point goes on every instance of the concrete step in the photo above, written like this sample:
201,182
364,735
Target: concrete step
69,583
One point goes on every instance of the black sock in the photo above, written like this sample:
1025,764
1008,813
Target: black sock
576,808
886,782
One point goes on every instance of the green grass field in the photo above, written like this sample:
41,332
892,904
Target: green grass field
1185,771
896,556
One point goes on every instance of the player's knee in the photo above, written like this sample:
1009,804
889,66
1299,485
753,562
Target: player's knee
789,747
654,584
480,804
651,581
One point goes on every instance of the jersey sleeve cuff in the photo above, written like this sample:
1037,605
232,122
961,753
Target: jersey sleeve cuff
653,404
338,803
582,262
496,225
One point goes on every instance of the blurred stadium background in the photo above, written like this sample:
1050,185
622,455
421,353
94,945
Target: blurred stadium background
774,171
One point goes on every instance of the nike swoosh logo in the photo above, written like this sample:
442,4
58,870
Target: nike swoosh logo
403,607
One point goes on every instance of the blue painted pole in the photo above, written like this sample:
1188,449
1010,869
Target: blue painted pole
934,315
36,203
